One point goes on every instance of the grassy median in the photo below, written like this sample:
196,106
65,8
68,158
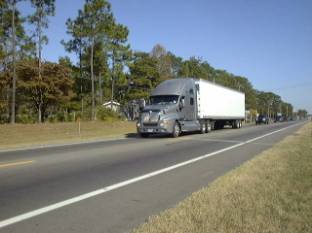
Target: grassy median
270,193
21,135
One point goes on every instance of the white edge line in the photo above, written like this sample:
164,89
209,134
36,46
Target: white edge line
106,189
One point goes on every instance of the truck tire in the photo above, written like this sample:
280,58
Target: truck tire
208,127
203,128
235,124
176,130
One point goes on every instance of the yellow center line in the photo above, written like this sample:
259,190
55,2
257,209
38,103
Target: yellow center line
16,163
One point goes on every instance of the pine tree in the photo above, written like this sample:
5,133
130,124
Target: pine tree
14,45
77,44
43,9
119,51
97,19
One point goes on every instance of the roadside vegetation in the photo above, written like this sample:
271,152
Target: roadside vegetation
23,135
270,193
106,68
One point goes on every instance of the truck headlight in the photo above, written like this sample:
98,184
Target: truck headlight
162,123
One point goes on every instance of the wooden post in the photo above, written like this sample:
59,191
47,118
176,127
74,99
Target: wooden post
79,126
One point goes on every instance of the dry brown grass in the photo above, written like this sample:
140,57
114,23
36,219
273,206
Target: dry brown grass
270,193
21,135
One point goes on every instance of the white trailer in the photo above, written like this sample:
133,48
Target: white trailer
217,102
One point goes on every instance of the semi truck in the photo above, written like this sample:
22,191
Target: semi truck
190,105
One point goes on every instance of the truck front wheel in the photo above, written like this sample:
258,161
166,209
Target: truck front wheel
176,130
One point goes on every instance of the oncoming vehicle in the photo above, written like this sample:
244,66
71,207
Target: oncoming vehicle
187,105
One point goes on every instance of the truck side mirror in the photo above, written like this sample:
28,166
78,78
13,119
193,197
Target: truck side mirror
142,104
182,103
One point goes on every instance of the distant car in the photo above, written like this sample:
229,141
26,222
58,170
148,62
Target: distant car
262,119
279,119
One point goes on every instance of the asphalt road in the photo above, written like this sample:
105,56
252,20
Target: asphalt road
91,187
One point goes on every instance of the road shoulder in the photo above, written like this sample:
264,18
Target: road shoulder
270,193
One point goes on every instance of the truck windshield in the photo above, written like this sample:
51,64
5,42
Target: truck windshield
164,99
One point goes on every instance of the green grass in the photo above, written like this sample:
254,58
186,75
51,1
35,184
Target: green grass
270,193
21,135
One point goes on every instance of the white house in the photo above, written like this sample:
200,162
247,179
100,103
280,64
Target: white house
113,105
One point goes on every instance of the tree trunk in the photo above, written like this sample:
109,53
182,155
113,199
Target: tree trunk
81,78
39,69
39,113
14,65
8,102
113,78
92,80
100,89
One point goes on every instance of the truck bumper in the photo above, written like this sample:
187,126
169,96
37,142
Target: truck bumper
151,130
164,129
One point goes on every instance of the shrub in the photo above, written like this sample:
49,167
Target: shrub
25,115
105,114
25,118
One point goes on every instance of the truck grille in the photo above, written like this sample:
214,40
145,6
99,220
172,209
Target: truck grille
151,117
150,124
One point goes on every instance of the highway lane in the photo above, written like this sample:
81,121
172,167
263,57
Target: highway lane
59,173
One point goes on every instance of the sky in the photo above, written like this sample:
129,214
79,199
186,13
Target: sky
269,42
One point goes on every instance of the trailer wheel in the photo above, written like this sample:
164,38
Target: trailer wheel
203,128
235,124
208,127
176,130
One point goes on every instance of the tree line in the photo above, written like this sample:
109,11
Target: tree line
35,90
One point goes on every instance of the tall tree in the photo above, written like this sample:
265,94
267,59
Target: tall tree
164,61
97,18
13,4
196,68
143,75
119,51
43,9
14,45
77,44
176,63
55,90
4,100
